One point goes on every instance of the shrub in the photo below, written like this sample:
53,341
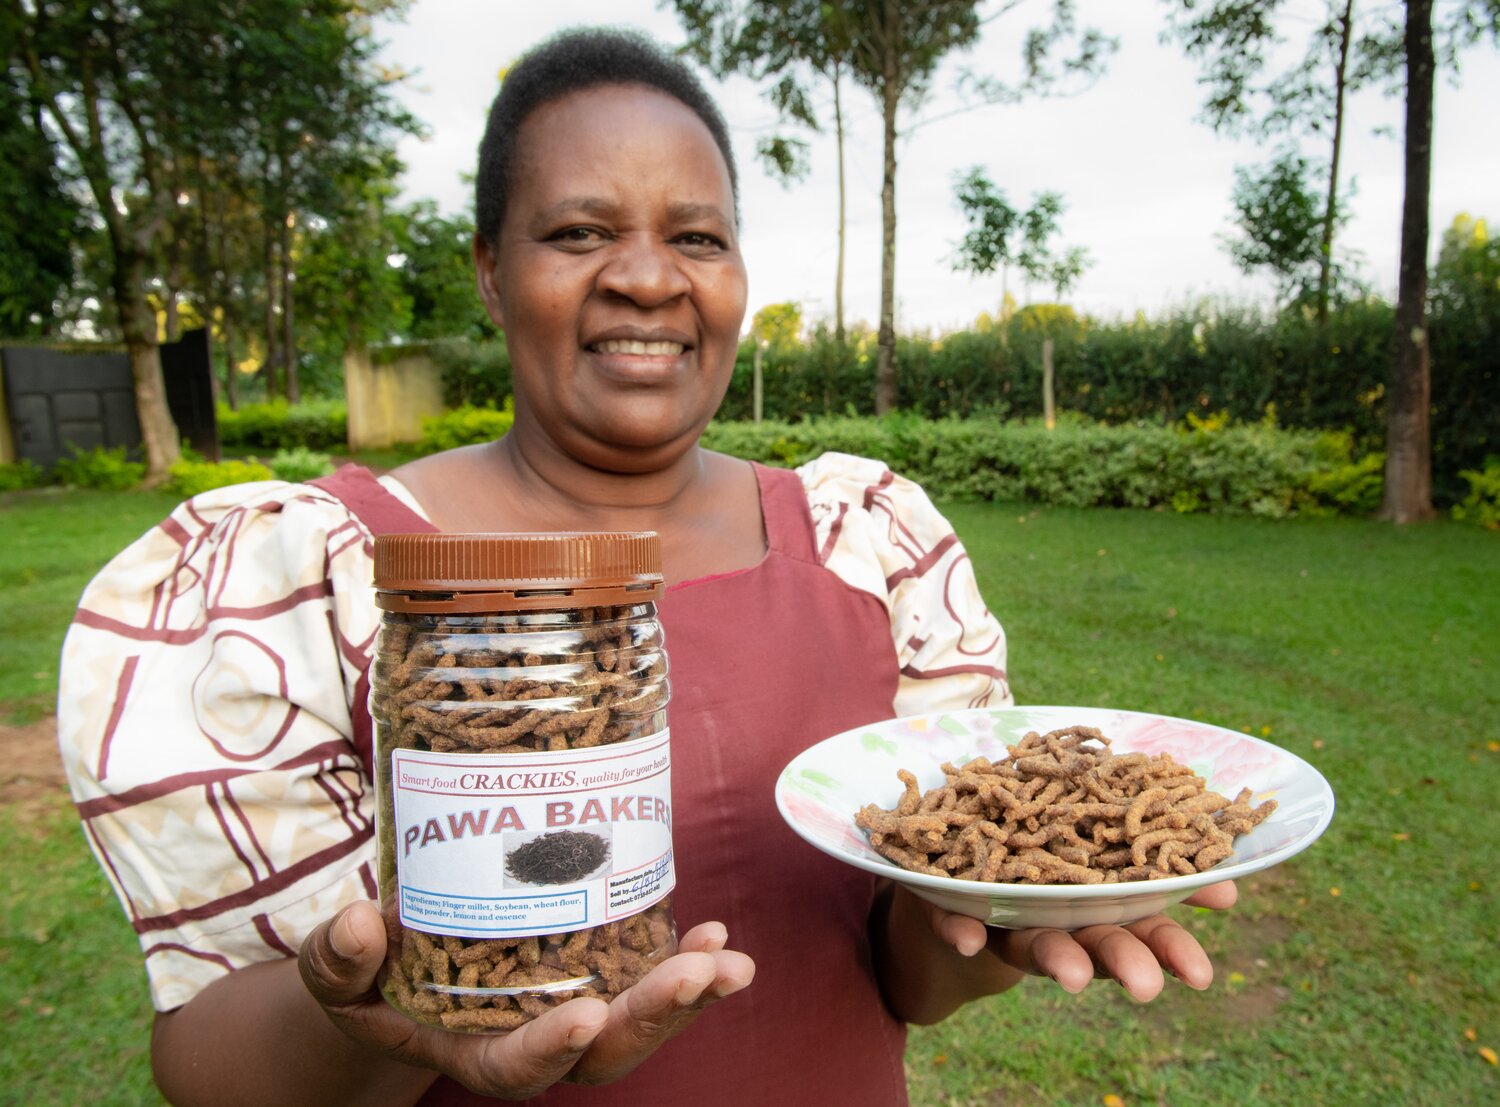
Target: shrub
465,426
1482,504
189,476
475,374
277,425
300,464
110,470
25,473
1248,469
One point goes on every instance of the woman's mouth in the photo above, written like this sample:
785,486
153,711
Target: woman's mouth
638,348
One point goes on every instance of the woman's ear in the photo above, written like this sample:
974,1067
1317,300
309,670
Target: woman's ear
486,281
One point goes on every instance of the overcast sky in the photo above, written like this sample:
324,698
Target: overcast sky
1146,186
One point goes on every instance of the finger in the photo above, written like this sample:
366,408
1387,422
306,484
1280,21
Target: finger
1220,896
964,935
1119,954
529,1060
1175,950
340,958
660,1006
1045,952
709,937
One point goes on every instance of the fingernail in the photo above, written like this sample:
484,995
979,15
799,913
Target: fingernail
581,1037
341,938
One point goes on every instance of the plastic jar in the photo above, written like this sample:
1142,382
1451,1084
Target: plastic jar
519,695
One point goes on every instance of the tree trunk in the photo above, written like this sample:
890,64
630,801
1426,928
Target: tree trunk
138,327
885,363
758,394
838,282
172,282
271,365
231,372
288,326
1408,446
1049,405
1330,212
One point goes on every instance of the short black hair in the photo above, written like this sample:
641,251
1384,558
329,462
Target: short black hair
570,62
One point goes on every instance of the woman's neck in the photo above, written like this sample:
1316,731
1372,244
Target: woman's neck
553,484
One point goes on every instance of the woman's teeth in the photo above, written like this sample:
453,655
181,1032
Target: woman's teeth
630,346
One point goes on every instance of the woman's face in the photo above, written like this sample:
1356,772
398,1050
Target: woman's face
617,277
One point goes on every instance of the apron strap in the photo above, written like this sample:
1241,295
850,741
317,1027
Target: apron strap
789,524
382,513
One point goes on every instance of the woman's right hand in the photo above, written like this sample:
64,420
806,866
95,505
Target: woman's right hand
583,1041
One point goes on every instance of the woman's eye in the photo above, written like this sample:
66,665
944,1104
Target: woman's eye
578,235
700,240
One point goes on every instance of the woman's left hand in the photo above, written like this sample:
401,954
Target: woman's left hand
930,963
1135,955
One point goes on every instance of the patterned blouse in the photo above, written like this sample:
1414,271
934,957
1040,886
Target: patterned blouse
212,755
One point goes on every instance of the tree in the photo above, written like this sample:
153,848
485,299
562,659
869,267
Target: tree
1000,236
1408,444
795,43
437,274
1282,226
1235,41
38,219
102,74
154,99
898,48
1408,458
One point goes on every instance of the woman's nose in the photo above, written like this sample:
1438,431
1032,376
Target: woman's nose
646,272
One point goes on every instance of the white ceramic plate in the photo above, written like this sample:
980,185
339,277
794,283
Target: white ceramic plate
819,792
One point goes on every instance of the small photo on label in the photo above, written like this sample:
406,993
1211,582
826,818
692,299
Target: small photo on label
553,857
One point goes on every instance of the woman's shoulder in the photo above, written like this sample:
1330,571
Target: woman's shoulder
850,486
271,528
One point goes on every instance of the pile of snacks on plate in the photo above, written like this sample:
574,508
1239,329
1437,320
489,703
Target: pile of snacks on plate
1062,809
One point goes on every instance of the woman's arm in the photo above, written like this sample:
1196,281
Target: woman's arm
315,1031
930,963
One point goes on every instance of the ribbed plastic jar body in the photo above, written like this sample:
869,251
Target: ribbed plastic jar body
523,787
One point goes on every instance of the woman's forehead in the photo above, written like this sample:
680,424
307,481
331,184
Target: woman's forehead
599,132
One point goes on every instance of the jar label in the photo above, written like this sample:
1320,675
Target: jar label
535,843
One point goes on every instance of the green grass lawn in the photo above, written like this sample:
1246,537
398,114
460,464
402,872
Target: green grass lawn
54,540
1348,975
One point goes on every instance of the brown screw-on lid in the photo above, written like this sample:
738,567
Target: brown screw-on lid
518,570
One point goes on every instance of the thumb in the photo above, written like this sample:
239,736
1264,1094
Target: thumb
340,958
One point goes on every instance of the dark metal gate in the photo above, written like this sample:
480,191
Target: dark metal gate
64,398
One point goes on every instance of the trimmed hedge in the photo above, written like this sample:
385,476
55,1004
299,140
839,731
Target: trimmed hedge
465,426
1198,360
277,425
1257,468
192,475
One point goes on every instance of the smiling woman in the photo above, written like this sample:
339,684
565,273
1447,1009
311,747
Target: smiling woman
799,604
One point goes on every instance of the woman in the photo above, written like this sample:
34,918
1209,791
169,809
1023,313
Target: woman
212,693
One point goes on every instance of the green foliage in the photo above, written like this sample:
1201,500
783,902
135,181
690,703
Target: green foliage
189,476
1280,220
1482,504
1464,325
465,426
109,470
38,220
475,374
299,464
25,473
276,425
778,325
1256,469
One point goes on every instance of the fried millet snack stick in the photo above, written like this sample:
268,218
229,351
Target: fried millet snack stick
475,684
1061,809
